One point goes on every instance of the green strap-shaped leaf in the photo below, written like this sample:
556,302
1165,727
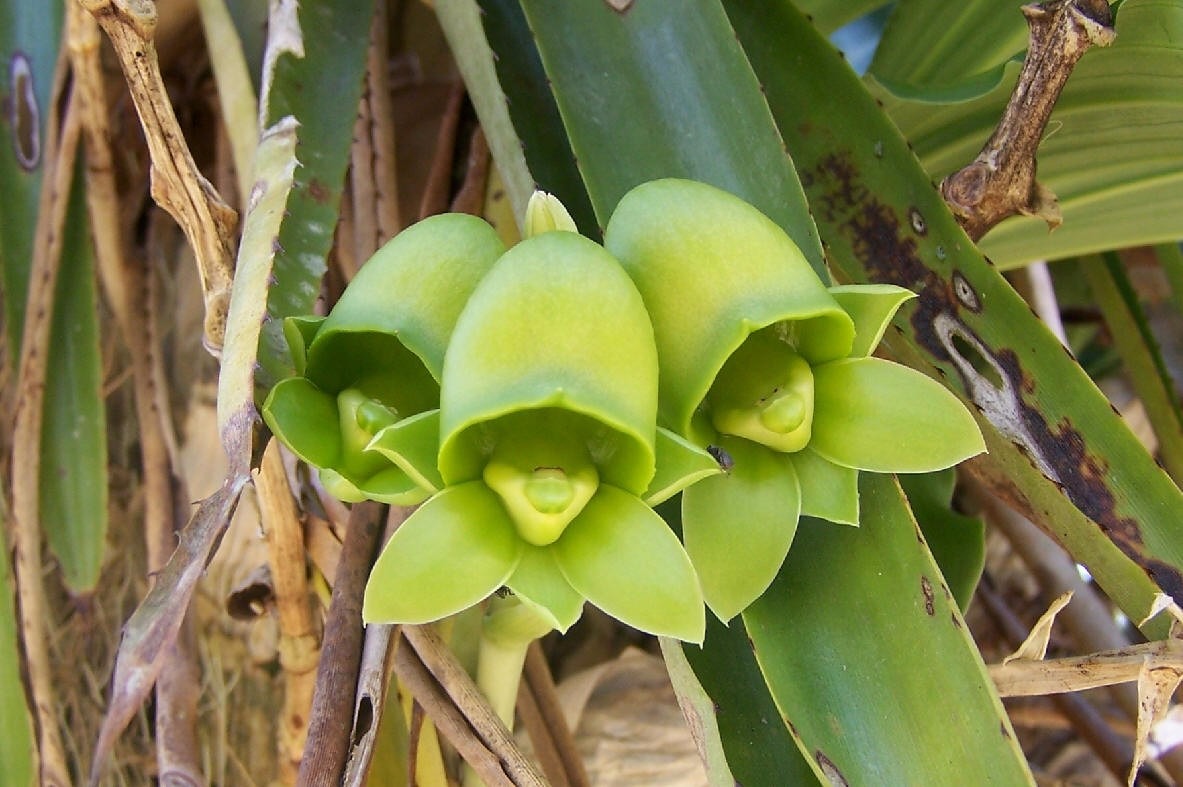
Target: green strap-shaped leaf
640,81
73,484
829,15
1140,354
315,70
30,33
957,541
830,683
931,42
1051,434
17,747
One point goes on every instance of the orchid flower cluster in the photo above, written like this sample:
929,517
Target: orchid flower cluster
540,401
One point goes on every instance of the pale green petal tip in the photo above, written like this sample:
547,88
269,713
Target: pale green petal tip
545,213
412,444
871,307
828,491
453,552
680,464
538,580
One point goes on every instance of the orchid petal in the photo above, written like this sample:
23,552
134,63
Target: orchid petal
538,581
392,485
450,554
871,306
680,463
625,560
828,491
555,325
738,527
875,415
299,333
414,445
304,418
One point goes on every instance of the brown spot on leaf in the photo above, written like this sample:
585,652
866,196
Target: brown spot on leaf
883,242
23,113
926,591
318,191
830,770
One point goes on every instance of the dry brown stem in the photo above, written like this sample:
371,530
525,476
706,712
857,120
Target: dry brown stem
177,185
327,748
33,610
299,640
1001,182
1081,714
448,719
1024,678
542,716
472,704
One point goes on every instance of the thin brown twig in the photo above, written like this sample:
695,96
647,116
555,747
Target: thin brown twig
1001,182
448,719
382,129
299,640
535,726
541,684
437,190
327,748
61,148
373,679
472,704
177,185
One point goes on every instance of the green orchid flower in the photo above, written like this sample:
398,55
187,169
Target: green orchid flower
372,365
773,370
549,455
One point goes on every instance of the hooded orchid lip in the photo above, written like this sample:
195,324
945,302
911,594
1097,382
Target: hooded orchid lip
543,484
764,393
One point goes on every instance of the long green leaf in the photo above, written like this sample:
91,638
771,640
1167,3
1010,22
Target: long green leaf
17,748
29,36
316,64
657,92
874,606
829,15
1113,153
933,42
661,90
1053,439
1140,353
73,487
